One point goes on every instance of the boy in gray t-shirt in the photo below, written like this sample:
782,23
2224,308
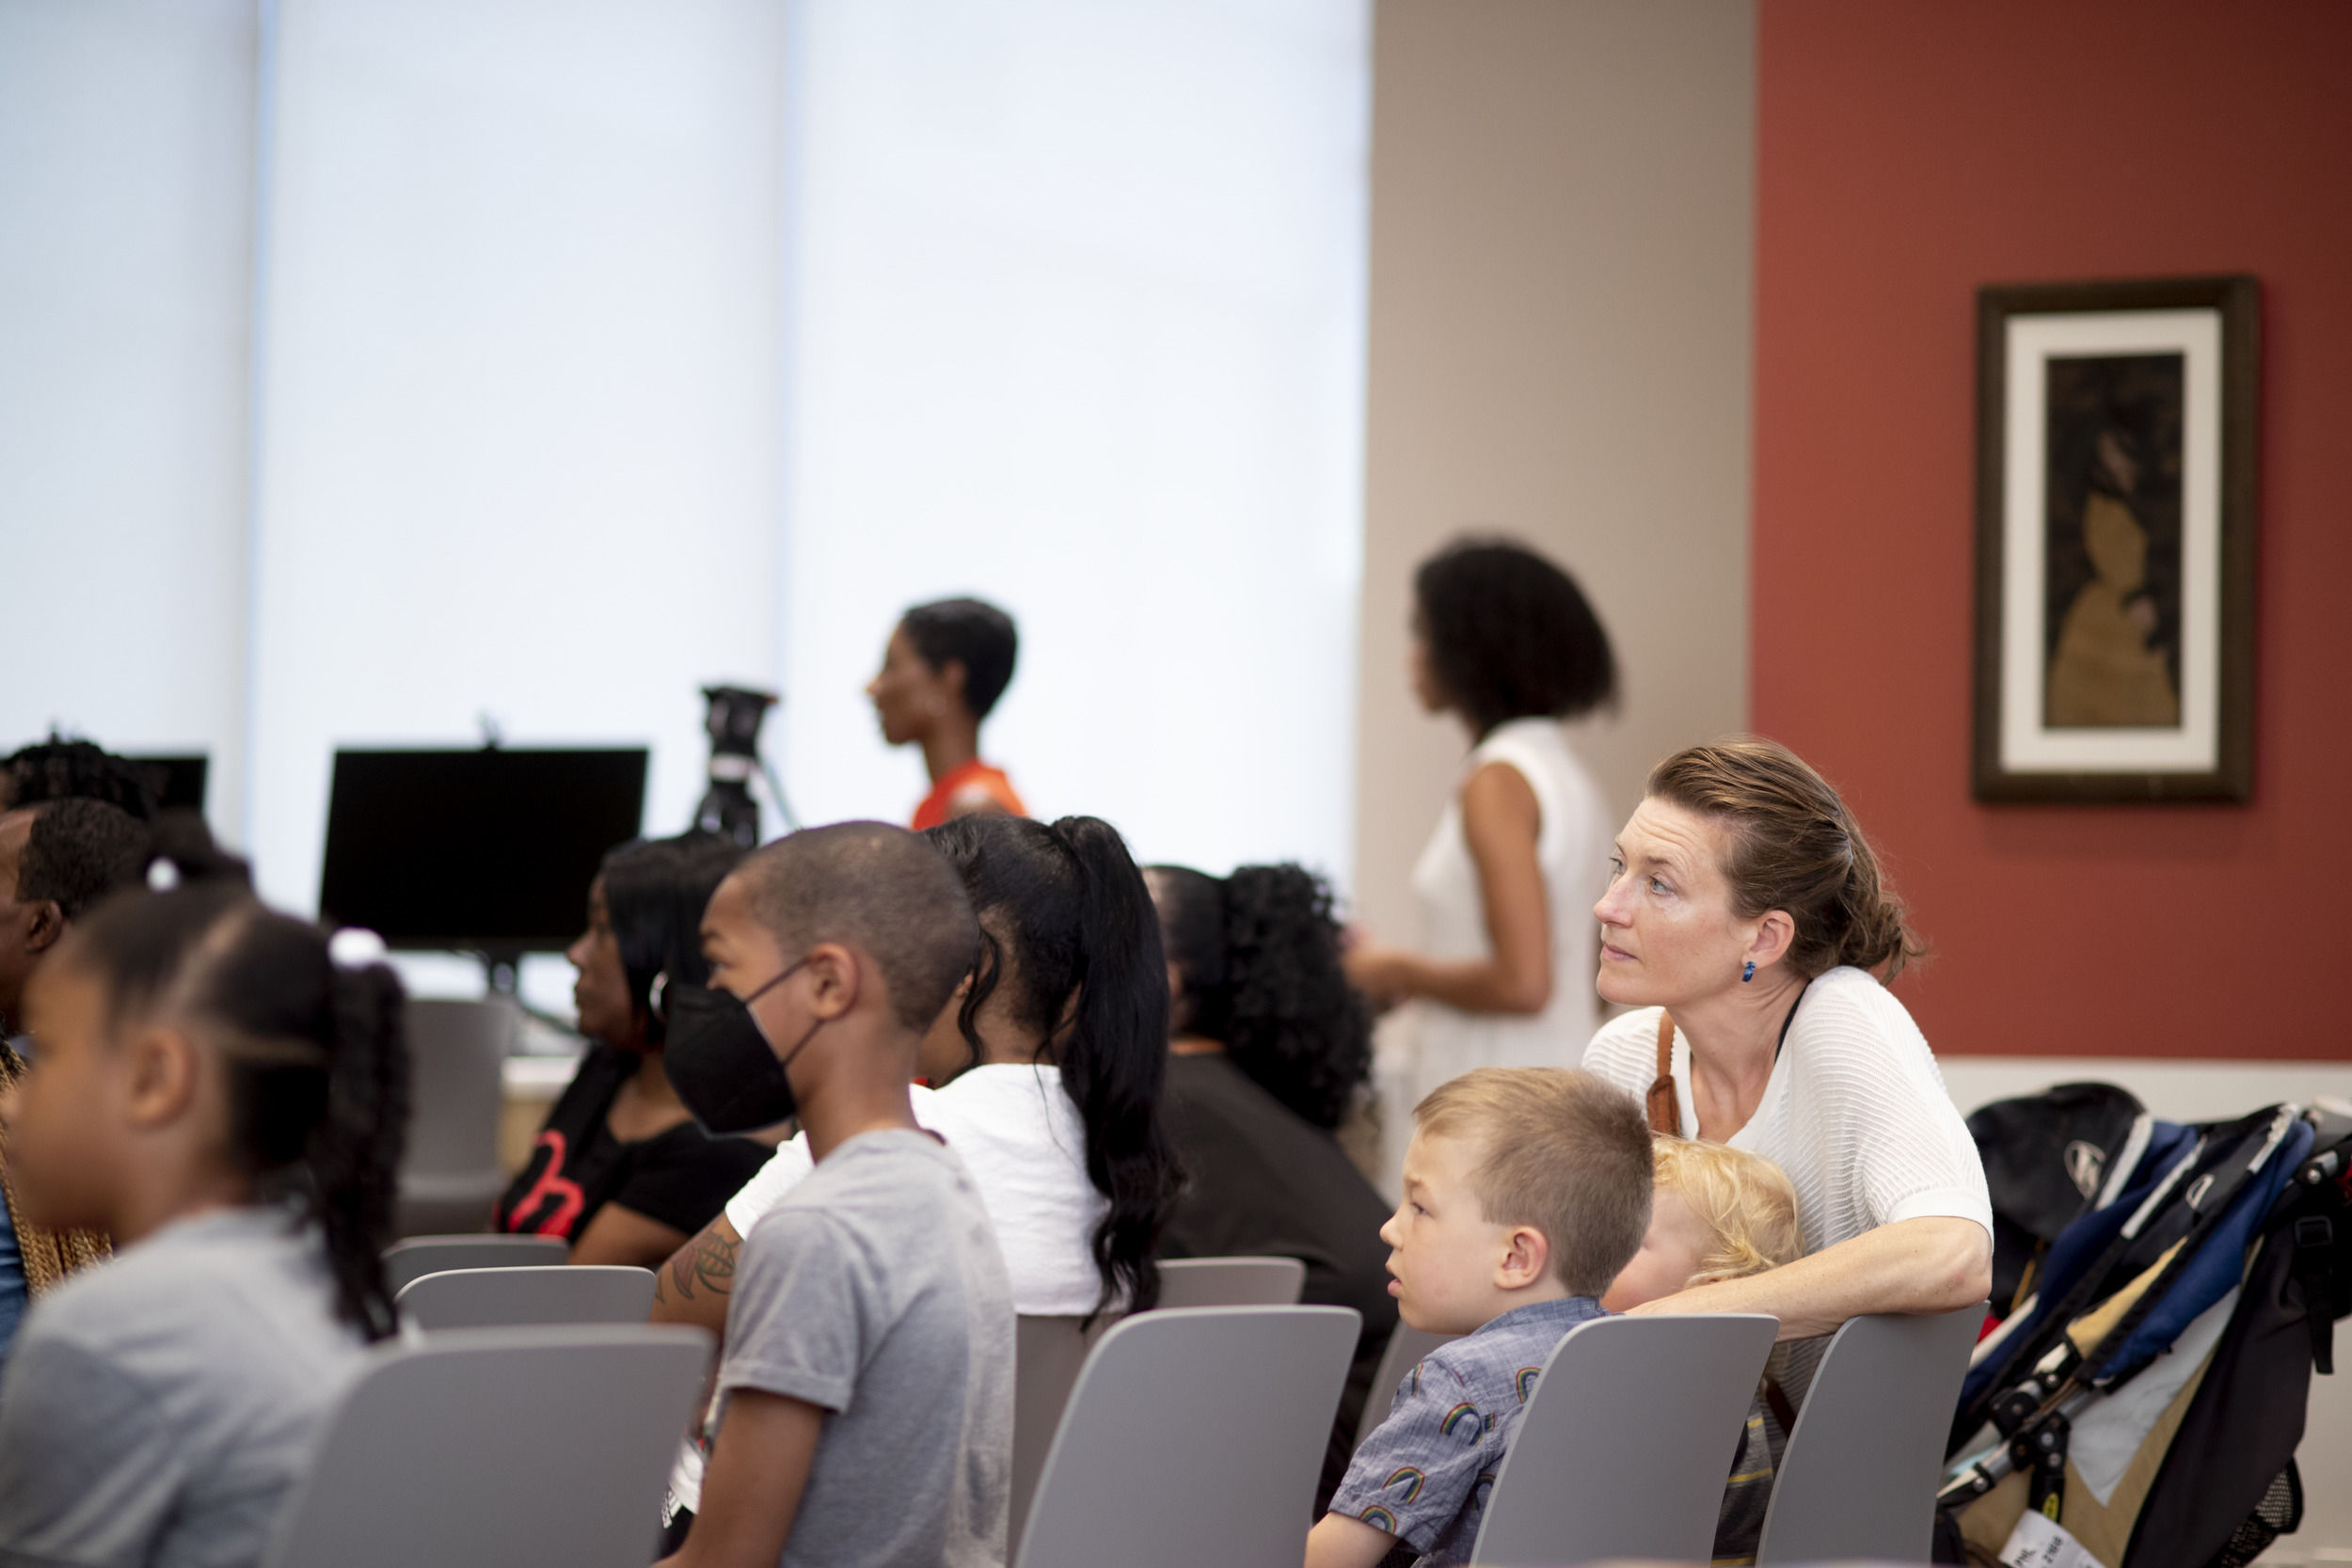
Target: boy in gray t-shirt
879,1277
867,1380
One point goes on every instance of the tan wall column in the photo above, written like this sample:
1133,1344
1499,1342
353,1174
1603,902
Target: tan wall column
1563,197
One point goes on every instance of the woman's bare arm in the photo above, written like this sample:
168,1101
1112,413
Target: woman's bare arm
626,1238
1502,822
1935,1263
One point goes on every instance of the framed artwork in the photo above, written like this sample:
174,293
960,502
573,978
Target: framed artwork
2115,540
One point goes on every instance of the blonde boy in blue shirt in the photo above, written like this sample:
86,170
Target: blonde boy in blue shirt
1526,1191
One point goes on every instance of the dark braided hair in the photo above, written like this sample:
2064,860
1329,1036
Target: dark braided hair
1257,956
316,1058
1064,908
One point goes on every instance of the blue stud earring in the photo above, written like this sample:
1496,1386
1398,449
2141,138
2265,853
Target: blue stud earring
1749,973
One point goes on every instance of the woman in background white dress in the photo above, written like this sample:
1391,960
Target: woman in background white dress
1501,975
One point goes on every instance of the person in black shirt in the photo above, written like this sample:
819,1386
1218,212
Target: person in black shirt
1268,1043
621,1170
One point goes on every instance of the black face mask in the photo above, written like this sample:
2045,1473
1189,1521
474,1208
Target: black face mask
721,1066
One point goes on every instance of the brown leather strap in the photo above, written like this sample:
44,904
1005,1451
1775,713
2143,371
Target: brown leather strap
1665,1108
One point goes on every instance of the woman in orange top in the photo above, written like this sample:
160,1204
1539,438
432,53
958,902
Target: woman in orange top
946,665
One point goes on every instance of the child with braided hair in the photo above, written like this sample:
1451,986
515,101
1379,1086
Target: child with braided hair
211,1089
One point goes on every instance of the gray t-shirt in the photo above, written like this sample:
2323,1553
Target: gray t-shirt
875,1289
159,1409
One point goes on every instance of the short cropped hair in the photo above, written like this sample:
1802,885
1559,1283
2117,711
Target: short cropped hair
973,633
1747,1203
878,889
1563,1152
77,852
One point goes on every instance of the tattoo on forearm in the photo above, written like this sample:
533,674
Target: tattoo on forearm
710,1264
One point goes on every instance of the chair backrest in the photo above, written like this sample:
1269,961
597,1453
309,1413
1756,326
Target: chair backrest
541,1448
511,1298
1626,1441
449,1176
423,1255
1406,1347
1048,1352
1193,1436
1232,1281
1858,1478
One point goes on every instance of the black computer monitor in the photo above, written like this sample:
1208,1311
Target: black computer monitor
487,851
177,781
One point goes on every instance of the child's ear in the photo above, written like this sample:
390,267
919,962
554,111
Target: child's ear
1526,1258
839,975
161,1071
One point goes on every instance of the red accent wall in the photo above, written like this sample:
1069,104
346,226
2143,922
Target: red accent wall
1908,153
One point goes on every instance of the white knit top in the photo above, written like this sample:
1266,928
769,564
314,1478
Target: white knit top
1855,1112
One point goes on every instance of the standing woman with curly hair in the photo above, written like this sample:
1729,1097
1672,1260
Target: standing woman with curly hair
1504,642
1267,1045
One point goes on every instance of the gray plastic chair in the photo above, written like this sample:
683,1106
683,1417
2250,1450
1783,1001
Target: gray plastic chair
1626,1443
508,1298
1232,1281
1407,1346
1859,1476
1048,1355
450,1175
539,1447
423,1255
1193,1436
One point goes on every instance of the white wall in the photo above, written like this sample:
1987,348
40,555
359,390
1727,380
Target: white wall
520,386
603,349
126,134
1078,325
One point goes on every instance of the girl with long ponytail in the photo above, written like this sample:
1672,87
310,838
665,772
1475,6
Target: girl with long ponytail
213,1090
1048,1071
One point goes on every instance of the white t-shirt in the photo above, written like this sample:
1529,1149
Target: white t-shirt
1855,1112
1020,1136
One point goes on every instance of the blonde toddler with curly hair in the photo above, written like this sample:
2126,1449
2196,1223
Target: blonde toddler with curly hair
1719,1213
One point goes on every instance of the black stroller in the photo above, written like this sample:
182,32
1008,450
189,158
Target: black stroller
2171,1289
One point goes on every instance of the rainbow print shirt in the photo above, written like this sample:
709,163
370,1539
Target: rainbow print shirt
1425,1473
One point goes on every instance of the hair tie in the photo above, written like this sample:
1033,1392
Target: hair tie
355,947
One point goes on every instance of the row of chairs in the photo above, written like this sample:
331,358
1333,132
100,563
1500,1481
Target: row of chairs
1622,1452
1189,1434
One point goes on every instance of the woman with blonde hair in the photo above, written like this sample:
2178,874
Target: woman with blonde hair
1750,929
